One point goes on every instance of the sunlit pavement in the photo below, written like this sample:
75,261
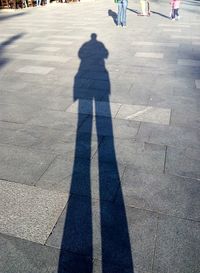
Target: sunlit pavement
99,139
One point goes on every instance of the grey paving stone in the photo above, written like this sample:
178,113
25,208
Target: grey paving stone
155,44
162,193
177,247
149,55
116,248
197,83
144,113
174,102
56,120
168,135
44,101
102,108
47,48
37,57
28,212
191,119
17,113
189,62
41,70
114,128
27,257
82,177
183,162
22,165
138,155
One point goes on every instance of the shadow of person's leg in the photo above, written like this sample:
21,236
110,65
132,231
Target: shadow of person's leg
115,241
77,233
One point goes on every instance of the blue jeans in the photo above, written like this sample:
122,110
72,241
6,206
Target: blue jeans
38,2
122,6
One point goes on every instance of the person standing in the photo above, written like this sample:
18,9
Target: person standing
121,17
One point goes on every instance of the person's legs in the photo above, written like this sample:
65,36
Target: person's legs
176,13
119,16
173,14
125,4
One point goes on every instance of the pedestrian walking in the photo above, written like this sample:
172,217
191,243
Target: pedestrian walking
121,16
175,5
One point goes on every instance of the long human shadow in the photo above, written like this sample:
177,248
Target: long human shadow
160,14
5,44
133,10
78,235
10,16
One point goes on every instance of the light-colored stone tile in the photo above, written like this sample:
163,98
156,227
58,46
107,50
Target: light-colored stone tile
41,70
170,25
185,37
101,108
171,30
144,43
188,62
144,113
46,48
197,83
149,55
28,212
34,57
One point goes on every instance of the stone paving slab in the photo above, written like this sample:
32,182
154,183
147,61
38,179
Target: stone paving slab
149,55
197,82
102,108
41,70
177,246
118,128
183,162
168,135
21,165
144,113
142,229
189,62
138,155
28,212
25,256
33,57
82,178
162,193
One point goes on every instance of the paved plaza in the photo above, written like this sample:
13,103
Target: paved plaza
100,139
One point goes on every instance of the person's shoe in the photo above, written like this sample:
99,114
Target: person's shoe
173,19
178,17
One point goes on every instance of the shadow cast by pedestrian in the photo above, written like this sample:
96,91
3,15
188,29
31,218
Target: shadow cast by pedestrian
10,16
113,15
80,244
133,10
160,14
5,44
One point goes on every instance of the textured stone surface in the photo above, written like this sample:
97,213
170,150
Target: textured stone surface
183,162
177,246
101,108
149,55
197,83
22,165
41,70
144,113
162,193
28,212
140,237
